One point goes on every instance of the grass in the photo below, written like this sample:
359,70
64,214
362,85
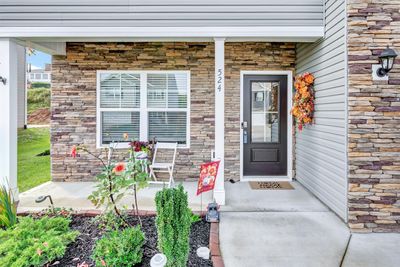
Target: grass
33,170
38,98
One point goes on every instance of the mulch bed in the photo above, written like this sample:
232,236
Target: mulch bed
81,250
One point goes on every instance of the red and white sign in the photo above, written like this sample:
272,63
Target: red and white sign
208,175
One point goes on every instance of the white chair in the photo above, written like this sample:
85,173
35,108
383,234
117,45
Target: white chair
163,167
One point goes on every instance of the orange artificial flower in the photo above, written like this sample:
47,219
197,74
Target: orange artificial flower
307,120
303,90
119,168
308,78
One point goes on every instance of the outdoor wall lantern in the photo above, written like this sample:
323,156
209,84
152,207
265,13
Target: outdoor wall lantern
386,59
3,80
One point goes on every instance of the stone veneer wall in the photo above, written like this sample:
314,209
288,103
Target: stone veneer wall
73,102
374,118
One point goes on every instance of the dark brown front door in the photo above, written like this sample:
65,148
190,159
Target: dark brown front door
264,125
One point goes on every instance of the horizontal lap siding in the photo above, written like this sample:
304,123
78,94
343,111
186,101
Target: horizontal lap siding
173,13
321,148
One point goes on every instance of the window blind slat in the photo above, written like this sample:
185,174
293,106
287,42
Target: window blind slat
115,124
168,126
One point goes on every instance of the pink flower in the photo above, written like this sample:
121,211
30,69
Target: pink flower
119,168
73,152
126,136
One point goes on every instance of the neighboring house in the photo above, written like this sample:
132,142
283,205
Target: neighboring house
39,75
216,77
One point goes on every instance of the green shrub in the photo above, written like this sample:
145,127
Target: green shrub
119,248
35,242
38,98
8,211
173,225
40,85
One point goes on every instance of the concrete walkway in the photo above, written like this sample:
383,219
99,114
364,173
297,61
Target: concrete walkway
373,250
290,228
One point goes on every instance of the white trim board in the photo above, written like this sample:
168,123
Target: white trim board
260,33
289,175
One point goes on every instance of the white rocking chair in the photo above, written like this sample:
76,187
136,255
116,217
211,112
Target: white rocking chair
163,167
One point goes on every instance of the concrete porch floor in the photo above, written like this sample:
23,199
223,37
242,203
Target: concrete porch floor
74,195
281,228
258,227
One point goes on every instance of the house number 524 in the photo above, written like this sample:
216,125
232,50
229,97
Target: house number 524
219,80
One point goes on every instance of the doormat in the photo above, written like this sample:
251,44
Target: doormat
271,186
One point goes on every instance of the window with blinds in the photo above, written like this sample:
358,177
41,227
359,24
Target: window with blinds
145,105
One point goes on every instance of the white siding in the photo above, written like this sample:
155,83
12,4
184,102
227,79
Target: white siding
321,148
157,13
21,87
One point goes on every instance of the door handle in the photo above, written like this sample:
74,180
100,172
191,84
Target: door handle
244,125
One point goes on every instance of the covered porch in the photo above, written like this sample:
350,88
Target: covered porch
55,43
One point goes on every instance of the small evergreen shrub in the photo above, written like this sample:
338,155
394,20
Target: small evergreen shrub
173,222
120,248
35,242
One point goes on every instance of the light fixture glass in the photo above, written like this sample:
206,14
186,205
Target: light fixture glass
386,59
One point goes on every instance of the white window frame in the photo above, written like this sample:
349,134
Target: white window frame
143,110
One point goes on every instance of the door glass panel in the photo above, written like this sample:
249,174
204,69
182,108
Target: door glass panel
265,112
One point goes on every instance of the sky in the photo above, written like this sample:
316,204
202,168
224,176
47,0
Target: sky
38,60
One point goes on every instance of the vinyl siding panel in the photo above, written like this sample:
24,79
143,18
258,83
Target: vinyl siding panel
321,148
155,13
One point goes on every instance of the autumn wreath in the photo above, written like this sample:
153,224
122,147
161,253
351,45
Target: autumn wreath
303,106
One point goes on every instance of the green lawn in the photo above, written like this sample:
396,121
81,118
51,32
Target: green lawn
33,170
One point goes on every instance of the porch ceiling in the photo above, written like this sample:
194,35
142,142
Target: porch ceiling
163,34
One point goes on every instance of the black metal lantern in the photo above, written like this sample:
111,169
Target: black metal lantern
386,58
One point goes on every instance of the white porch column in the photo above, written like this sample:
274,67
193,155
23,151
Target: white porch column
8,114
219,190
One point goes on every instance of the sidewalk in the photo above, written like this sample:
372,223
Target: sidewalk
290,228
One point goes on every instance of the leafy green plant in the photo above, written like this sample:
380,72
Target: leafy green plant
115,179
173,225
35,242
109,221
8,211
120,248
194,217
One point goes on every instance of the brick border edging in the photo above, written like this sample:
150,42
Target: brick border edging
215,250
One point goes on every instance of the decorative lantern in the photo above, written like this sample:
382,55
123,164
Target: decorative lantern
212,212
386,59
